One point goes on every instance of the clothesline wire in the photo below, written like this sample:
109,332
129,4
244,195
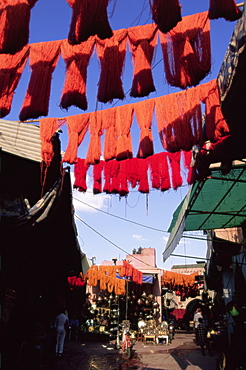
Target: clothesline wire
146,226
115,245
121,218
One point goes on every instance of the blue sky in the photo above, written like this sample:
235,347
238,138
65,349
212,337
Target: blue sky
102,232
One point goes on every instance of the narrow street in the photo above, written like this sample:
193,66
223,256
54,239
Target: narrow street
182,353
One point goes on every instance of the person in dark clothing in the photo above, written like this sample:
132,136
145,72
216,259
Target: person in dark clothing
202,337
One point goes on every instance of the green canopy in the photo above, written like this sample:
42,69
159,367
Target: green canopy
218,202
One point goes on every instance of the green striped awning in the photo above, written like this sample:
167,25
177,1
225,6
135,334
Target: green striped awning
218,202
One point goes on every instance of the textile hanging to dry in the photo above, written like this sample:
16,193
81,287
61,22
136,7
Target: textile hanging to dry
80,171
123,183
131,272
14,24
77,58
124,117
187,165
137,174
143,40
165,181
174,159
143,176
224,9
111,53
43,59
48,127
114,177
11,70
109,125
111,170
216,125
97,177
166,14
154,171
179,119
159,172
77,128
89,18
174,279
187,51
94,150
144,114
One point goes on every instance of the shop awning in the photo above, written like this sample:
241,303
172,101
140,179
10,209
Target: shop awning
218,202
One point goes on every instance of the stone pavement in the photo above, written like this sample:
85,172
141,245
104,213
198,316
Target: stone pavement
182,354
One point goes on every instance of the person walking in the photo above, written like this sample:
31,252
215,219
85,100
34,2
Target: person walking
202,337
197,315
61,324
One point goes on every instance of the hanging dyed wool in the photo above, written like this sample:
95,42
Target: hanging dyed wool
106,173
144,113
43,59
179,119
80,171
89,18
122,175
162,123
111,170
132,172
114,177
11,70
48,127
187,51
187,128
143,176
174,159
224,9
111,53
109,124
165,182
154,171
77,58
166,14
77,128
94,150
97,177
216,125
187,164
143,40
124,117
14,24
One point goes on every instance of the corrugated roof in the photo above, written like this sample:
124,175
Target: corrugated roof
20,139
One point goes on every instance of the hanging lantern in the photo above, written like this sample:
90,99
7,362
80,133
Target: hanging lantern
133,295
140,301
111,296
150,297
144,295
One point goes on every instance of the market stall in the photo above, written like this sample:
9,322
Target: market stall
116,293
